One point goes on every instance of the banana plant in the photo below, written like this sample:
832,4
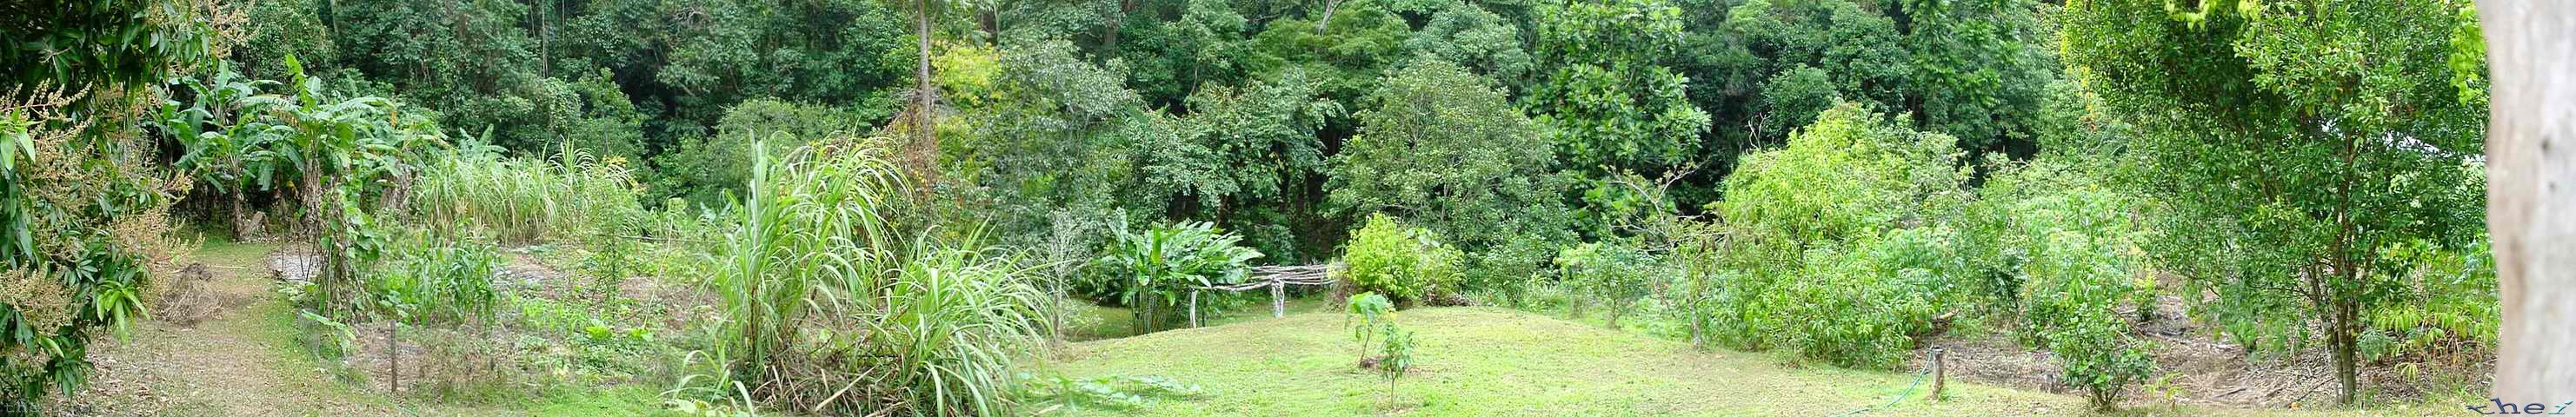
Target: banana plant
1163,264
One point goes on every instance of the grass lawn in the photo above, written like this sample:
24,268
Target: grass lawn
1492,361
1094,322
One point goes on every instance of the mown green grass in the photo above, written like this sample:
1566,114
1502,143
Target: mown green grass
1094,322
1492,361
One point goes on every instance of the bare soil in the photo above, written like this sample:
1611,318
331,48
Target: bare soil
2202,369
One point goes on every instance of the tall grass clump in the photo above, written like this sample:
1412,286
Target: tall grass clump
570,195
831,307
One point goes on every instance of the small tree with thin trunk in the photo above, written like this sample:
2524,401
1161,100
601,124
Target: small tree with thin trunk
2291,144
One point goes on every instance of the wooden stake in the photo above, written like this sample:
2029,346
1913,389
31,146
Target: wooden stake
1940,372
1278,300
1194,309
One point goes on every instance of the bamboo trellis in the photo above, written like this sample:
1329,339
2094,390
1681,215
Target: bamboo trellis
1277,278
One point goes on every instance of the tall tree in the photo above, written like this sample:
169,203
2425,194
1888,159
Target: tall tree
2292,142
1442,148
1609,102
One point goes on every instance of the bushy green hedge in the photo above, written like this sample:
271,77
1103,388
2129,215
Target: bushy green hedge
1403,262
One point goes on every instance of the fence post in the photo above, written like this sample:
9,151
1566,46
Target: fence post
1194,309
1278,299
1940,372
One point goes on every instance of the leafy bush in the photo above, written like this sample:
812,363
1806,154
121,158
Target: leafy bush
1611,273
1394,358
1848,175
2449,313
2068,249
1156,269
2071,308
1838,242
426,277
1861,305
81,238
1403,262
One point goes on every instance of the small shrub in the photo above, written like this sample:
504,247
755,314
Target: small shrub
1612,274
826,308
1368,312
1395,357
1402,262
2070,304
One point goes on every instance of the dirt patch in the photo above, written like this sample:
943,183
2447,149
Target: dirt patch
524,272
294,264
2197,368
228,363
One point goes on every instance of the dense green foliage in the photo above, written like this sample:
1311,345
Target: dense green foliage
426,277
1608,103
2068,249
84,206
2299,144
569,196
866,189
1402,262
1157,269
1822,227
1443,149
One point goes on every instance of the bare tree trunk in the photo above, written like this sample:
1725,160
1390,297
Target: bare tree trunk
2531,193
1327,17
924,95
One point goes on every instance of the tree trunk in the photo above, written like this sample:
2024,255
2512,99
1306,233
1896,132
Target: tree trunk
1327,18
244,227
2343,338
1112,22
1698,330
2531,193
923,94
1615,308
991,22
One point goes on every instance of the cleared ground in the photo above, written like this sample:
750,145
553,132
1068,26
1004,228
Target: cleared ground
1491,361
